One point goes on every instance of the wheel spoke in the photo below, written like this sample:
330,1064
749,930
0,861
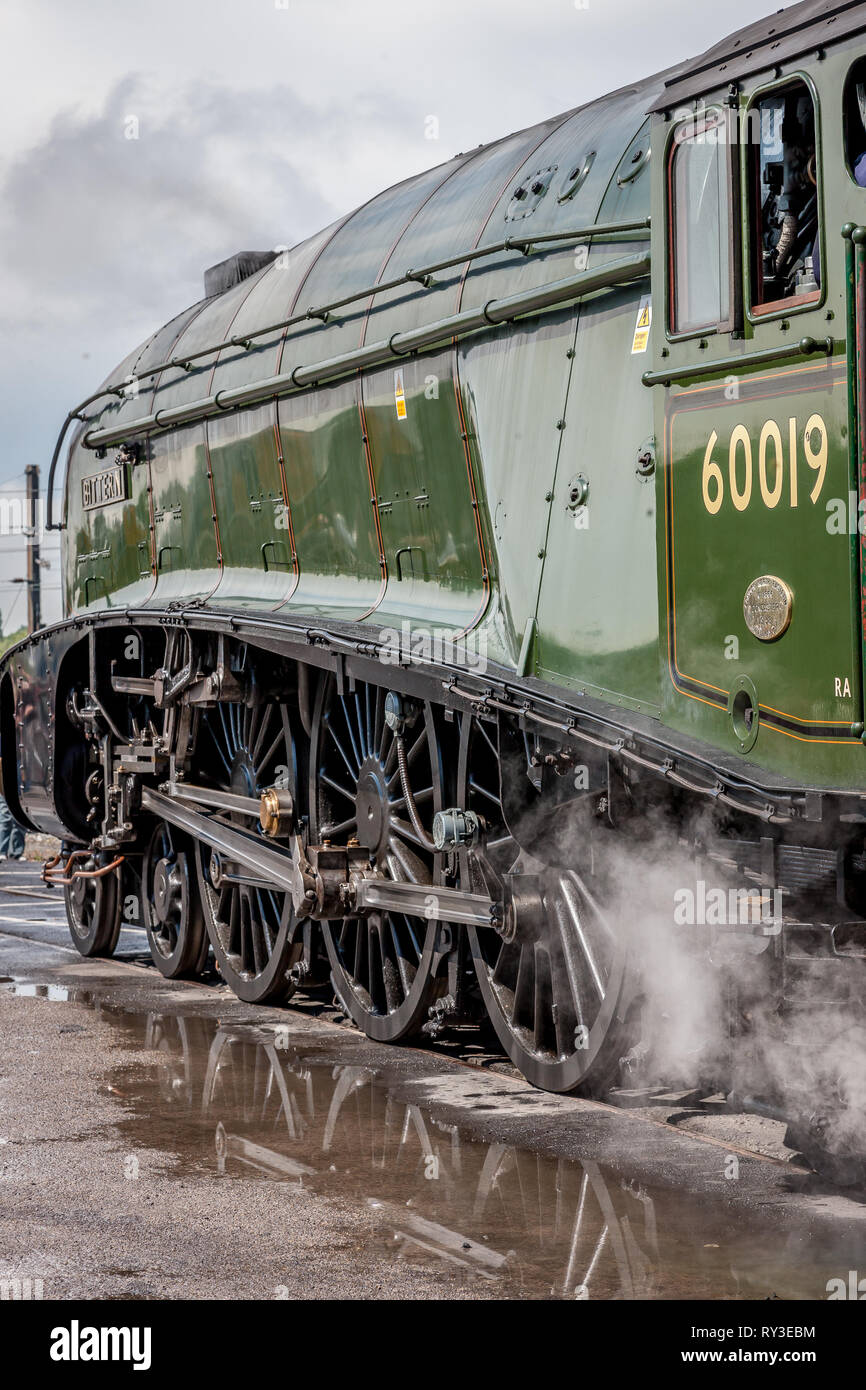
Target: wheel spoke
577,933
248,923
540,1002
229,743
359,757
278,743
362,734
359,946
335,786
352,771
402,964
524,989
507,964
264,725
417,948
368,721
379,725
426,795
480,726
247,722
376,963
414,869
482,791
390,761
372,978
341,828
257,935
216,743
390,973
406,831
545,989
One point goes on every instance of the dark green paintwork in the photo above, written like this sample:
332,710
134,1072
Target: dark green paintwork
712,559
457,515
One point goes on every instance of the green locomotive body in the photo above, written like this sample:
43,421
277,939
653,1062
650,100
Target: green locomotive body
436,487
422,488
555,440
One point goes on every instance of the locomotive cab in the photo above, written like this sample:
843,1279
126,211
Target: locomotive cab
759,477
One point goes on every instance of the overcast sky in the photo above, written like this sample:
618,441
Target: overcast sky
257,122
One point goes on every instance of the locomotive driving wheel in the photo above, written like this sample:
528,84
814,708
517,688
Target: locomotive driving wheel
246,748
171,907
554,979
383,964
93,910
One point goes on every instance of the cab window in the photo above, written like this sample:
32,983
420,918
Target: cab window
855,122
699,227
785,266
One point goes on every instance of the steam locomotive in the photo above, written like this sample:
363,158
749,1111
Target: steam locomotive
415,573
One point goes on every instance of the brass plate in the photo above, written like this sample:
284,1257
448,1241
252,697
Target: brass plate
101,489
767,605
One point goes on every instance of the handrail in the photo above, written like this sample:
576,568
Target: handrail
400,345
855,322
419,278
804,347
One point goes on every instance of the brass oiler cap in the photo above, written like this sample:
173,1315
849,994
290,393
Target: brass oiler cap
277,812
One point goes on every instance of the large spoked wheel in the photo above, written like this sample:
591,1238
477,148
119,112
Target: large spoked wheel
93,911
246,749
555,981
170,905
383,964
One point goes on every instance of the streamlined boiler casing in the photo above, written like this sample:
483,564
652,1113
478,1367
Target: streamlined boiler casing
424,489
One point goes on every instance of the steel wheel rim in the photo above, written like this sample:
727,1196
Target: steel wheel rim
248,748
164,930
93,913
83,899
568,974
382,965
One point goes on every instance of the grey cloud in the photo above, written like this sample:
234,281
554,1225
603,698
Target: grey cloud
103,238
114,222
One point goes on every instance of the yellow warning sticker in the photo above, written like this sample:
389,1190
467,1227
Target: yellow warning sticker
642,326
399,396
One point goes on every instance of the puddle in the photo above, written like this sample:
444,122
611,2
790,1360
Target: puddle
248,1101
60,994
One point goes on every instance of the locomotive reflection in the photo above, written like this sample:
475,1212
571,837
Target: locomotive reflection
495,1212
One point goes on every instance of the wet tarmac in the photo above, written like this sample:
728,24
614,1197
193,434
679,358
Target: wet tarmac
242,1100
454,1167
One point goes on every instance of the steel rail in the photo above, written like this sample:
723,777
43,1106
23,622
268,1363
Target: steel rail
399,345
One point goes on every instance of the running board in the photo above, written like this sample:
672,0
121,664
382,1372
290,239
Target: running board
324,881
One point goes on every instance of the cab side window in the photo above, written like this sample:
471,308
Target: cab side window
700,272
855,122
785,255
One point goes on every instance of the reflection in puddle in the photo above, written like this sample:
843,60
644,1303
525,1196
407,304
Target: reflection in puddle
59,993
242,1100
538,1227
